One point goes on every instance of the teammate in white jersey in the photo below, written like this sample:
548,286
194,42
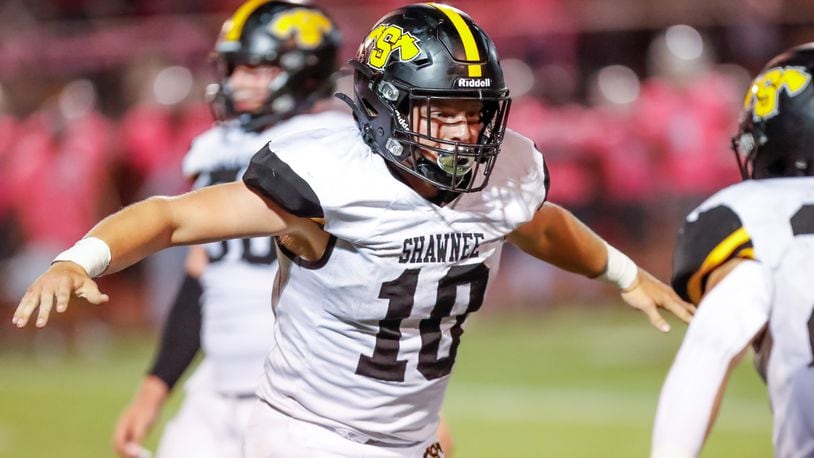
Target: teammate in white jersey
389,236
746,256
270,85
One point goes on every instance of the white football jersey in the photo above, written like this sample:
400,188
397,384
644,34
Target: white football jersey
366,337
237,324
771,221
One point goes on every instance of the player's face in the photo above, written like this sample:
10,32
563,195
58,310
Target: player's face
454,120
251,86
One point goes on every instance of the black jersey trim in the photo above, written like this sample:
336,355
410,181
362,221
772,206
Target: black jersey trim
705,244
304,263
803,221
546,182
547,179
273,178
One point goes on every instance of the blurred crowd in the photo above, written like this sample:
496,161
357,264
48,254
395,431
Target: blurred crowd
99,101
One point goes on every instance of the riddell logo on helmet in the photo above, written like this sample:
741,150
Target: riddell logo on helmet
474,82
401,121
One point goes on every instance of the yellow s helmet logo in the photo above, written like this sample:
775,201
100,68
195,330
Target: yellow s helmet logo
763,96
308,27
386,40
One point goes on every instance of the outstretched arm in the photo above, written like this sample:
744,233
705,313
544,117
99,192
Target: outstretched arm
217,212
556,236
728,318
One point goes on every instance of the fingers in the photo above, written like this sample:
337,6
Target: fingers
128,436
683,310
656,319
135,450
121,436
26,307
46,304
652,294
63,296
89,291
55,288
644,302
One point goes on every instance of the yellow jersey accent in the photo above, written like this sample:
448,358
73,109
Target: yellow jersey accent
716,257
747,253
470,47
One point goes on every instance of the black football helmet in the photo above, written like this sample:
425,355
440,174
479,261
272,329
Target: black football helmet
776,130
423,55
298,38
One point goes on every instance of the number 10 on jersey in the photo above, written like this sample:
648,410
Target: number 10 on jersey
384,364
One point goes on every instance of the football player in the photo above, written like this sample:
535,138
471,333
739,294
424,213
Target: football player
390,233
277,62
745,256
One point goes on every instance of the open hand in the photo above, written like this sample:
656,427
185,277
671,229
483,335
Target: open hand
139,417
648,294
62,281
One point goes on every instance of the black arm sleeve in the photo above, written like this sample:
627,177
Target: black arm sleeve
181,336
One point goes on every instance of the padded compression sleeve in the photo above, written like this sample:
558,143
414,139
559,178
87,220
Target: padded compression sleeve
181,336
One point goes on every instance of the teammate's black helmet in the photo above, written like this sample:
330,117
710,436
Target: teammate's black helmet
300,39
776,134
424,54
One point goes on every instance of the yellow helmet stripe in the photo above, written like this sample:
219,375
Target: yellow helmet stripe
719,255
470,47
238,20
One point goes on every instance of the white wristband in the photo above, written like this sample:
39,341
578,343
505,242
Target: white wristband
91,253
621,270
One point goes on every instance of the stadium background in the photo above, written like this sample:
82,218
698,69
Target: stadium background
632,101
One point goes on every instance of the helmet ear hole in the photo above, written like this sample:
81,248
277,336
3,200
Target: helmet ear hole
369,108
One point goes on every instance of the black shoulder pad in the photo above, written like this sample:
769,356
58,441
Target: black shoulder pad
803,221
273,178
703,245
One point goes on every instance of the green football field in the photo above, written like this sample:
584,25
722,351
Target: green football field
566,383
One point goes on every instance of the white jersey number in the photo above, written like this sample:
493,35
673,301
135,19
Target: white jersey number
384,363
